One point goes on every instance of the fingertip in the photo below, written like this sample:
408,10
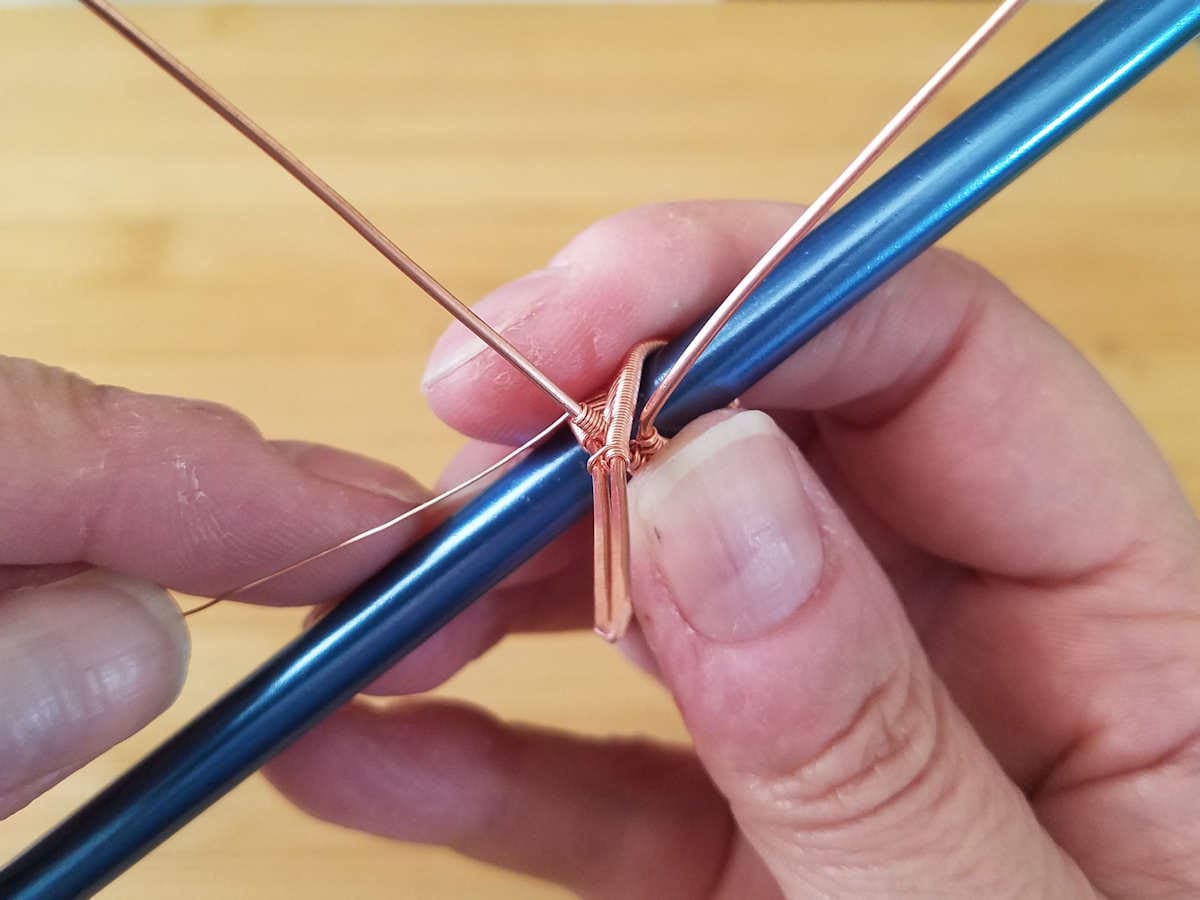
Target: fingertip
421,771
807,695
164,616
532,313
84,663
639,274
321,498
508,309
182,492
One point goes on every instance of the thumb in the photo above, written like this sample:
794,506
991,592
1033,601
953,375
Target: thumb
808,697
85,662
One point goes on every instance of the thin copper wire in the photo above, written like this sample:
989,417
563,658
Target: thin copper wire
582,416
390,523
818,210
161,57
606,431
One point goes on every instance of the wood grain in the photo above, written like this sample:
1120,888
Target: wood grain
142,242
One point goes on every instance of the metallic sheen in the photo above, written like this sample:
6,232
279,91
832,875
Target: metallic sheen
871,238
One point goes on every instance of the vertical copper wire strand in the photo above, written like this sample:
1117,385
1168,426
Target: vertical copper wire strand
610,467
819,209
161,57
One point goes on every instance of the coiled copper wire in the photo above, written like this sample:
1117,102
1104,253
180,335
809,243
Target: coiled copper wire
605,429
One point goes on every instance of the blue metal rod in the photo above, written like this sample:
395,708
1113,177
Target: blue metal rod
891,222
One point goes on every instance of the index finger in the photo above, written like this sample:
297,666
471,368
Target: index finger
182,493
972,428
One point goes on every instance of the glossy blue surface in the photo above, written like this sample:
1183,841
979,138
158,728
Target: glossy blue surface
885,227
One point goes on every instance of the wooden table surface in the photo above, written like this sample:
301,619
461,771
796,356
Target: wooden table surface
143,242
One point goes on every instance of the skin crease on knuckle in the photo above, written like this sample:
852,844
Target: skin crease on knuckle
843,822
886,765
875,769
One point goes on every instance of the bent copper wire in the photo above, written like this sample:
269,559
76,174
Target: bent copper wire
405,516
583,417
612,460
819,209
611,464
948,178
607,433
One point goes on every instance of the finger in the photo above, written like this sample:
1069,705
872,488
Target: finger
554,603
550,592
806,692
562,553
84,663
963,422
179,492
13,577
642,273
942,342
954,424
608,818
976,431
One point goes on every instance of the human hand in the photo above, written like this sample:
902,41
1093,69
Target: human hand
933,625
96,481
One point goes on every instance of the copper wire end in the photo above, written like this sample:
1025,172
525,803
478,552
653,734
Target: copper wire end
433,502
605,620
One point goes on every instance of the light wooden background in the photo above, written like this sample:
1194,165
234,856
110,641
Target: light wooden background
143,242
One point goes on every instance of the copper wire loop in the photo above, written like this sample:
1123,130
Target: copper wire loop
612,462
607,427
603,426
589,427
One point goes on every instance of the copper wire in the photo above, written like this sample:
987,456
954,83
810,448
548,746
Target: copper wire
610,465
585,418
392,522
819,209
331,198
604,429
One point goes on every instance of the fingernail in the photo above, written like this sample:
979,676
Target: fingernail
731,532
353,470
505,309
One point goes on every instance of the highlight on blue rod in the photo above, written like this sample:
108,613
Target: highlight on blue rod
887,225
